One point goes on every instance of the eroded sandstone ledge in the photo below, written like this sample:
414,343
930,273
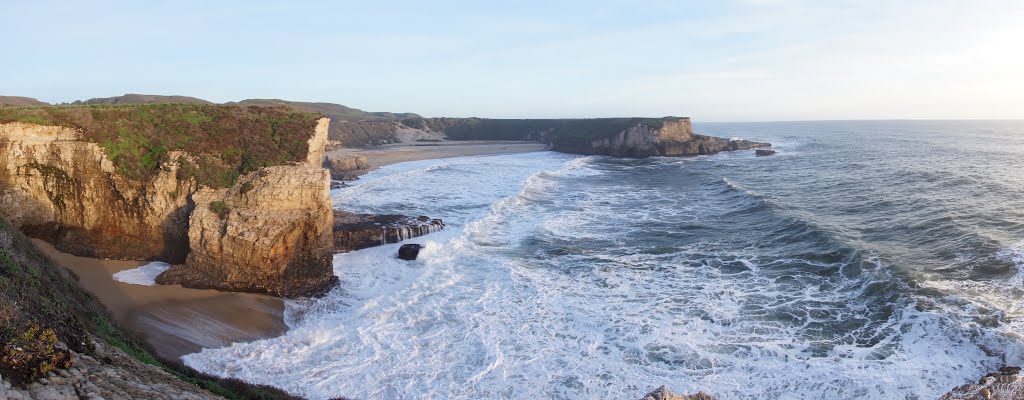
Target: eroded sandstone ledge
360,231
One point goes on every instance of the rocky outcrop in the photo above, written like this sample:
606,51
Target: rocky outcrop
662,393
346,168
269,233
674,137
359,231
59,187
1007,384
108,374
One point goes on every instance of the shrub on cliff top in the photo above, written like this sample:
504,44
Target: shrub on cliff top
139,138
32,353
220,208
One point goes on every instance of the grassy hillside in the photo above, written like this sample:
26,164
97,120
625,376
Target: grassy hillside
44,313
18,101
224,141
142,99
337,112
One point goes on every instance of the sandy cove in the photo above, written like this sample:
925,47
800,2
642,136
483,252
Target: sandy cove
401,152
176,321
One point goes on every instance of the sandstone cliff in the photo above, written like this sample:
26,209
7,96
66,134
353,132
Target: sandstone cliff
346,168
270,233
55,185
134,197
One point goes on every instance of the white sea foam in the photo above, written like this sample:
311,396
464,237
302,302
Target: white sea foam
144,275
505,303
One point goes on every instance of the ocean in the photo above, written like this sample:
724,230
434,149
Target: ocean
867,259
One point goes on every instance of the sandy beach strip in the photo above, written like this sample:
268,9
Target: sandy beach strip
401,152
175,320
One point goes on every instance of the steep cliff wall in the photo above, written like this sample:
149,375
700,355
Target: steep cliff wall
55,185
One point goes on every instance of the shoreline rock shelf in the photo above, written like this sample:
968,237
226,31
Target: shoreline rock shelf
360,231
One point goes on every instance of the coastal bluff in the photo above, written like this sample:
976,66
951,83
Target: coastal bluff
237,194
619,137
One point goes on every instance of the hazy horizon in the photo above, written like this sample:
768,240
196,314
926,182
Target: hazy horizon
754,60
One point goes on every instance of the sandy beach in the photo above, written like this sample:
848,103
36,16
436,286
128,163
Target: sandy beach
175,320
400,152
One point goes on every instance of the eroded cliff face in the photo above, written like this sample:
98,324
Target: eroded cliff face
674,138
59,187
269,233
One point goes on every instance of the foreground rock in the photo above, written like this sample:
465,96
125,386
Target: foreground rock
360,231
108,374
764,152
1007,384
663,393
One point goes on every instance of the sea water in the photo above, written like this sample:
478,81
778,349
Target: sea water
864,260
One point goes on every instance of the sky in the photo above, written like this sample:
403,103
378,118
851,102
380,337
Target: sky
742,60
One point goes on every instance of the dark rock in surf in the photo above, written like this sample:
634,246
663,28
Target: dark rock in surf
409,251
764,152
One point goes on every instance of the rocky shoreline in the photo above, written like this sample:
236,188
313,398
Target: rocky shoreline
107,374
360,231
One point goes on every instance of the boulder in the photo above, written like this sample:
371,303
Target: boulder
1005,384
662,393
409,251
764,152
346,168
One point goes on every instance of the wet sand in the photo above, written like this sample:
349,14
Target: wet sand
400,152
175,320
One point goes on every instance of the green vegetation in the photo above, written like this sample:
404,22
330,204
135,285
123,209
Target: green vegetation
31,353
224,142
220,208
44,313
